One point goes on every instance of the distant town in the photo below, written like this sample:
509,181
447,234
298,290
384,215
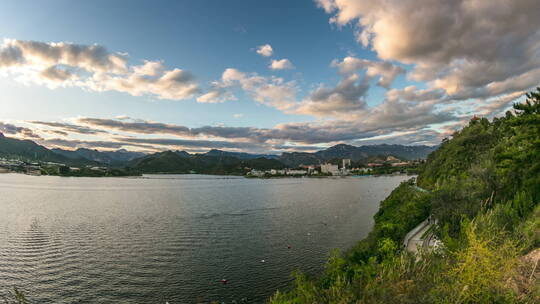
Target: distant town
9,165
343,167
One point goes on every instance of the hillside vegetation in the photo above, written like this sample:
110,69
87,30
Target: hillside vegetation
174,162
483,188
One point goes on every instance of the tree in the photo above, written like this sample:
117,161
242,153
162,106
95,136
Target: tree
531,104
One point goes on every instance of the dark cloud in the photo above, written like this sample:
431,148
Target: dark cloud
348,96
192,143
471,49
388,117
15,130
98,144
66,127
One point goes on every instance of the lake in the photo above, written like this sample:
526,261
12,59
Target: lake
173,238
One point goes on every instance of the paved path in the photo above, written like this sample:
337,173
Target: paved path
419,239
420,236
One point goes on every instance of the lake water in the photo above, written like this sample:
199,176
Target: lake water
174,237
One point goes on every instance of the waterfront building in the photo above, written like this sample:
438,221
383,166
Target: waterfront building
256,173
296,172
346,163
329,168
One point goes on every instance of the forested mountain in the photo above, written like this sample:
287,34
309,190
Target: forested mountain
30,151
118,157
175,162
483,189
356,154
240,155
363,152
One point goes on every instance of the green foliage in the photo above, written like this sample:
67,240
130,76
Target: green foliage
173,162
484,187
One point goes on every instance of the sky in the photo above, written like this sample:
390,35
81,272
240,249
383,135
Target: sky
260,76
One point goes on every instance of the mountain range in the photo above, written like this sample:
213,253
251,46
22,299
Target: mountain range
30,151
356,154
118,157
215,160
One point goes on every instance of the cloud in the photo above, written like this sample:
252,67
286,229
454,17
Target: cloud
238,115
94,68
467,48
150,144
347,100
498,105
90,144
93,58
209,144
148,127
385,71
56,132
143,127
348,96
282,64
66,127
23,132
55,73
217,94
375,123
175,84
265,50
411,93
271,91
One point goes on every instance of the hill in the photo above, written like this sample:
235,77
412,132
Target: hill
30,151
356,154
482,188
182,162
240,155
118,158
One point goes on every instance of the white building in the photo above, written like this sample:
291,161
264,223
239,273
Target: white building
256,173
329,168
296,172
276,172
346,163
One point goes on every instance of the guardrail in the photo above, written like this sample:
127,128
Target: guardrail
415,230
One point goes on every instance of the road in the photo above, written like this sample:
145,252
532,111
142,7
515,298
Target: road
420,236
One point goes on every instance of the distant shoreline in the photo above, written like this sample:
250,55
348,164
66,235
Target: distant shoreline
224,175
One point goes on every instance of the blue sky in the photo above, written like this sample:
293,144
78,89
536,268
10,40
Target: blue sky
202,36
337,86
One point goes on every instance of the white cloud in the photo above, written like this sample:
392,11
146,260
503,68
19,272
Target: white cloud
238,115
216,95
282,64
92,67
270,91
385,71
411,93
265,50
